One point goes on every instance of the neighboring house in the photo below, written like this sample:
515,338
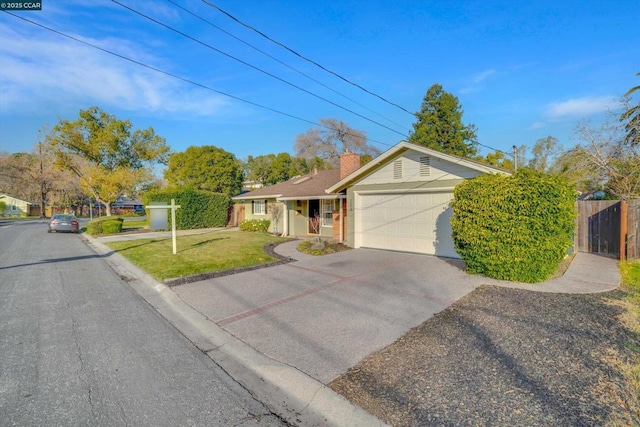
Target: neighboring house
307,209
125,205
18,207
400,200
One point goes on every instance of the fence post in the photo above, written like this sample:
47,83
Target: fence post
623,229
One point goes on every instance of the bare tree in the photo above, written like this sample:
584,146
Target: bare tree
604,160
331,140
35,177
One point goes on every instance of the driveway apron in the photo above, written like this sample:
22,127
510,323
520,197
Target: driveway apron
323,315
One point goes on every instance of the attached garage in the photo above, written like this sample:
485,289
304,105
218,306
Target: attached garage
412,222
401,200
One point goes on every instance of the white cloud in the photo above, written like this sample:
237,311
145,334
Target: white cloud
476,79
537,125
483,75
42,73
468,89
581,107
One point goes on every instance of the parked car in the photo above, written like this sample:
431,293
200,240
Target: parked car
64,222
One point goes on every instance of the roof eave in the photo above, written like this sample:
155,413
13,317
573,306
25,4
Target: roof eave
265,196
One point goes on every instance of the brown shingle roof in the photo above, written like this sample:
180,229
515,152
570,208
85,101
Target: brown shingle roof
304,187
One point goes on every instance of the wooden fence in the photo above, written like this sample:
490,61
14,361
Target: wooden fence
633,230
608,227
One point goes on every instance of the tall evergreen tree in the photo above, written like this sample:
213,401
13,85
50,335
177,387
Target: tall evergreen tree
439,125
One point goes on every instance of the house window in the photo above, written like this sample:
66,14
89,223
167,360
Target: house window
397,169
259,207
425,166
327,207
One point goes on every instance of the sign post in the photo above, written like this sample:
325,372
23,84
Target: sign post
173,224
173,208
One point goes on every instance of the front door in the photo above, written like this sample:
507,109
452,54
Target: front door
314,216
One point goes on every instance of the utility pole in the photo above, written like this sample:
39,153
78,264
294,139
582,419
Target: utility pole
42,192
515,158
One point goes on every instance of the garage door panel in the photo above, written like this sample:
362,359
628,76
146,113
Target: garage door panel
416,222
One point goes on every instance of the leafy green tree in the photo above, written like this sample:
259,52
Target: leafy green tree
439,125
631,118
544,151
499,159
108,156
331,140
270,169
205,168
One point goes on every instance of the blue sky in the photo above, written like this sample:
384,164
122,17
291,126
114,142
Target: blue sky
521,70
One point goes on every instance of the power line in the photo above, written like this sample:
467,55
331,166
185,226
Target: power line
495,149
183,79
255,68
307,59
285,64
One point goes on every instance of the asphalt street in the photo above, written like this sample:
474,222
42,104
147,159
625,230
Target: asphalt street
79,347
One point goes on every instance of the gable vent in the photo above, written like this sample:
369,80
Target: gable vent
425,166
397,169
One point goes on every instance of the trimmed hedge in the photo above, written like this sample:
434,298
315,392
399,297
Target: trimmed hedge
198,209
105,225
260,225
517,227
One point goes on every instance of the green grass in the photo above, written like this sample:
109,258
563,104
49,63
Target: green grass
126,225
630,272
197,254
18,218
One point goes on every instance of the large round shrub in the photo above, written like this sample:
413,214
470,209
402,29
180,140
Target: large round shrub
105,225
516,227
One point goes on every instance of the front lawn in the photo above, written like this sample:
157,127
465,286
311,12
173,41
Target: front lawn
197,254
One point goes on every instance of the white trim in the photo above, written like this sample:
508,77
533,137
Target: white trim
240,198
406,191
341,224
285,225
323,218
263,210
328,197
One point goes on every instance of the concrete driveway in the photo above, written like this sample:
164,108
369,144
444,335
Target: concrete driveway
322,315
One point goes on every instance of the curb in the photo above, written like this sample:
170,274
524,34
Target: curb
288,392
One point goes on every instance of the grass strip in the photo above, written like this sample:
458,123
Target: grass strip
630,272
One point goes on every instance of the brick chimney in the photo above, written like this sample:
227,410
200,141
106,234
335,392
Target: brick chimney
349,162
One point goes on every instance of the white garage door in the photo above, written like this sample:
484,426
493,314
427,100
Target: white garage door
413,222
